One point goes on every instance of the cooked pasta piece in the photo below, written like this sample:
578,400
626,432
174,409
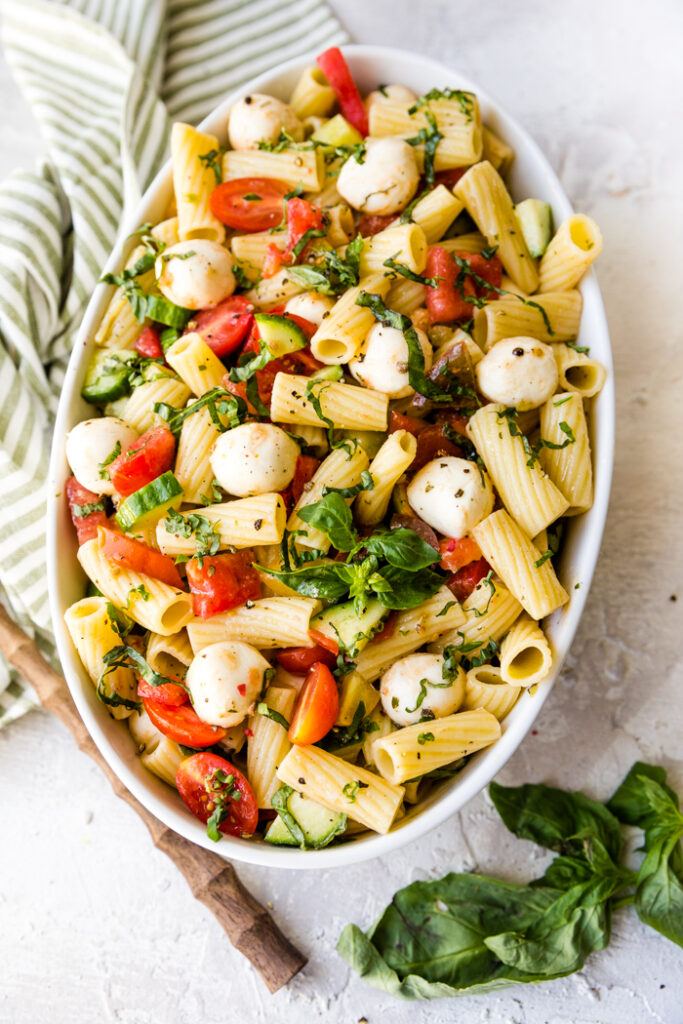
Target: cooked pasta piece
497,152
192,153
293,166
193,459
379,725
342,787
341,334
267,623
341,226
569,468
269,743
525,655
554,316
195,363
93,635
273,291
405,243
575,245
405,296
461,129
341,468
489,204
164,760
270,556
169,655
313,96
345,405
418,749
489,611
578,372
388,466
250,250
472,242
520,565
435,213
138,408
240,524
485,689
526,491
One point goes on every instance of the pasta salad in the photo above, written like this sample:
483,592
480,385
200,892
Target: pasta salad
339,419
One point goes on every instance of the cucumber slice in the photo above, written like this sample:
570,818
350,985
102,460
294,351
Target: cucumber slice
302,822
107,377
328,373
280,334
342,623
370,440
337,132
150,503
536,221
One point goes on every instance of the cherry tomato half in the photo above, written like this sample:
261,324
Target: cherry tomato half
169,694
146,459
134,555
298,660
224,327
249,204
457,552
316,708
462,583
206,781
79,498
183,724
222,582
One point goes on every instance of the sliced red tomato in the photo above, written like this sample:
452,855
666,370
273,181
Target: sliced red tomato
431,443
168,694
336,70
302,216
490,270
183,724
299,660
151,455
273,260
455,420
86,508
397,421
316,708
149,345
224,327
387,630
323,640
222,582
139,557
249,204
372,223
304,471
451,177
462,583
206,781
457,552
447,303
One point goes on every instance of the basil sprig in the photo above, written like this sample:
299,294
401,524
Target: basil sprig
334,273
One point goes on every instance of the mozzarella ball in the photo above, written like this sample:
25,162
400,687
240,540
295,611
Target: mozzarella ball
519,372
385,182
413,690
90,443
255,458
391,93
260,118
382,363
311,306
196,274
452,495
224,680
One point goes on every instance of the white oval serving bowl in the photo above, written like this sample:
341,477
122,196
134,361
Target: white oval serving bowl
531,176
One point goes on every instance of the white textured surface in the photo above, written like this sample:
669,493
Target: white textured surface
98,926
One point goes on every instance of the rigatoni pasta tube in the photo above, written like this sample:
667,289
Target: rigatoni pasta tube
195,363
240,524
194,181
578,372
347,406
313,95
93,636
489,204
497,152
518,562
489,611
405,296
267,623
273,291
388,466
510,318
193,460
485,689
418,749
435,213
154,605
169,655
405,243
163,760
526,491
342,332
250,250
341,786
293,166
139,406
461,143
472,241
269,743
341,468
525,655
570,253
569,468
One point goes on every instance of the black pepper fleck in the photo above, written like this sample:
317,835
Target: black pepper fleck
302,781
518,351
258,523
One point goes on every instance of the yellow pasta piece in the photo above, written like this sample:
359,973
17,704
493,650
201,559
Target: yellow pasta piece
354,691
194,181
341,468
489,611
341,226
569,468
510,318
572,249
267,623
240,524
275,290
268,745
525,655
472,242
497,152
340,335
461,143
405,243
388,466
169,655
485,689
313,96
93,635
293,166
195,363
250,250
578,372
138,409
193,460
435,213
347,406
405,296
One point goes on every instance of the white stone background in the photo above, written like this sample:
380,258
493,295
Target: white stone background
97,926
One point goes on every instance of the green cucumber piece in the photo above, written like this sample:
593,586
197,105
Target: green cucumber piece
280,334
342,623
337,132
151,502
370,440
536,221
302,822
328,373
107,377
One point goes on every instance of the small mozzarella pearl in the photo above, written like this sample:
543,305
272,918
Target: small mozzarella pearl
196,274
224,680
90,443
260,118
413,690
254,458
390,93
382,363
311,306
385,182
452,495
519,372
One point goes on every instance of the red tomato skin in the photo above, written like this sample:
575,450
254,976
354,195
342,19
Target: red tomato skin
431,443
462,583
225,326
316,708
191,780
445,303
272,261
149,345
229,206
451,177
133,554
150,456
298,660
387,630
323,640
183,724
372,223
301,217
86,526
304,471
336,70
168,693
399,421
457,552
490,270
232,582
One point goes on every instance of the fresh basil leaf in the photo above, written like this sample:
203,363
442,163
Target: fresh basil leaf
333,517
659,892
403,548
636,802
407,589
321,581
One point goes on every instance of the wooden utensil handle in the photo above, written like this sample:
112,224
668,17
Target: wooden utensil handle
212,880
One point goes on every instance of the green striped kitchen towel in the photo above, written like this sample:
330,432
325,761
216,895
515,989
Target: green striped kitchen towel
102,78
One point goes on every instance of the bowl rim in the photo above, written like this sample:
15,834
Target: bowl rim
482,767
